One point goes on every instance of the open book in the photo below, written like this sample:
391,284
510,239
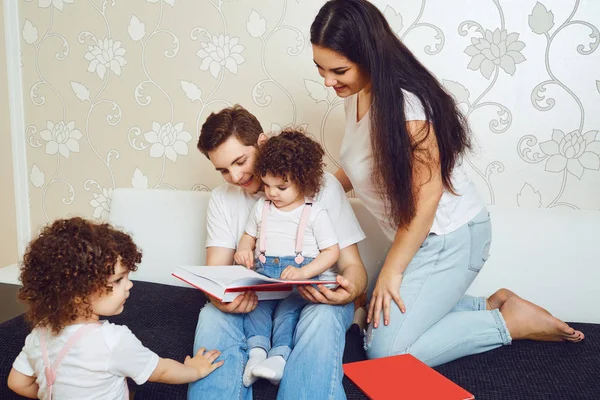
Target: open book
228,281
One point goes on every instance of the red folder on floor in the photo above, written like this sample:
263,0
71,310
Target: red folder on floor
402,377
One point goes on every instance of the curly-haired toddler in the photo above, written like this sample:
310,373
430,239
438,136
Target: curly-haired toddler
74,272
296,241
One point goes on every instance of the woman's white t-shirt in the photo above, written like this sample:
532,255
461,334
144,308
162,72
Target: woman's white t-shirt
94,368
356,157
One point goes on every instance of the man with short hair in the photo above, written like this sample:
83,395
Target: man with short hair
229,139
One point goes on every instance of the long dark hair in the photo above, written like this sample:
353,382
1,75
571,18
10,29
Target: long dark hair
358,30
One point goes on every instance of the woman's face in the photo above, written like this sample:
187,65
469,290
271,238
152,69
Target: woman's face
343,75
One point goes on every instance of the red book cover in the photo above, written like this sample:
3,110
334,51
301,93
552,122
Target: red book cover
402,377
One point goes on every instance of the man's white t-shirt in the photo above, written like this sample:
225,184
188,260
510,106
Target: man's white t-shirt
356,157
230,207
94,368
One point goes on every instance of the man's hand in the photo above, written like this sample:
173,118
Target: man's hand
242,304
245,258
293,273
343,294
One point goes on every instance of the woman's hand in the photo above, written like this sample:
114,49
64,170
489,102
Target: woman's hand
387,288
343,294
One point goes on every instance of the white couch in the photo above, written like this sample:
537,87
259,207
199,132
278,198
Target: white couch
550,257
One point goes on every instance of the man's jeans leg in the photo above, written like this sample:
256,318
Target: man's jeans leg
314,369
224,332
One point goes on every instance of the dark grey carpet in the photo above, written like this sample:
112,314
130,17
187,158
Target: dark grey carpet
164,319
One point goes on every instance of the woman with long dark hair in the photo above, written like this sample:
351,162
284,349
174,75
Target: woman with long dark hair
402,153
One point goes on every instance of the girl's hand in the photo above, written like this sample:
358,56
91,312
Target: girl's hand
204,362
245,258
387,288
293,274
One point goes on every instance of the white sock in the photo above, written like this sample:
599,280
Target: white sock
271,369
256,356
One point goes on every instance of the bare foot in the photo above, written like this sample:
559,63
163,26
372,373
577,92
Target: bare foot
526,320
498,298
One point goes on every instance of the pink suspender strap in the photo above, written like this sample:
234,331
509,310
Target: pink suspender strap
263,237
51,370
300,235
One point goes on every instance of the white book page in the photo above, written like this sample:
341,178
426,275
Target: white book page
230,275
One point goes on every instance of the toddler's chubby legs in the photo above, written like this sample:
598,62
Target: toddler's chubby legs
271,369
256,356
257,327
285,320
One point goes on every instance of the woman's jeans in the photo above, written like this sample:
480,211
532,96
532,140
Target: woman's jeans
441,323
277,316
313,369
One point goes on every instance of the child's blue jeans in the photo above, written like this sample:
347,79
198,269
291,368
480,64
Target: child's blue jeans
278,317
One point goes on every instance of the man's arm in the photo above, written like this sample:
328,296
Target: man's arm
219,256
352,281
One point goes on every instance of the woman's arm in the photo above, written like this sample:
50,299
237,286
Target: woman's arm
427,182
22,385
341,176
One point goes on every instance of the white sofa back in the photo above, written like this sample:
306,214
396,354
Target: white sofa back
550,257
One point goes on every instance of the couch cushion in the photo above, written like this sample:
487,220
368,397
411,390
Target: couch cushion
168,225
164,319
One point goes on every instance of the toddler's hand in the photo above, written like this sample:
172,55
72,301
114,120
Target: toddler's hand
204,362
293,273
245,258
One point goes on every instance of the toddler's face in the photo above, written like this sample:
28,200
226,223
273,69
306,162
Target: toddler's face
281,192
112,303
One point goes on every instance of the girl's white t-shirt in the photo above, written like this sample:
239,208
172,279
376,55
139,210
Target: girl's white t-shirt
94,368
282,228
356,157
230,207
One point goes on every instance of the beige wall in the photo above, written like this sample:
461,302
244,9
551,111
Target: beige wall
115,92
8,228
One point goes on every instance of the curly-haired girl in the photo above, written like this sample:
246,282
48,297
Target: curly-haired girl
74,272
301,245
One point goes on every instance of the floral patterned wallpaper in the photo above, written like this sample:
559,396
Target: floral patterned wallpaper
116,91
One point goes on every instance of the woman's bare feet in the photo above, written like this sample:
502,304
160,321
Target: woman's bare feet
498,298
526,320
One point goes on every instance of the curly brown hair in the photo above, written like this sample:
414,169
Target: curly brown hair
293,156
66,264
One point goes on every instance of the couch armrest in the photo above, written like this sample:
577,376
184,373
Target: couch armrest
10,274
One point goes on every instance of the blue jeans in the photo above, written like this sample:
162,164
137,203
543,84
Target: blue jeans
441,323
277,316
313,370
